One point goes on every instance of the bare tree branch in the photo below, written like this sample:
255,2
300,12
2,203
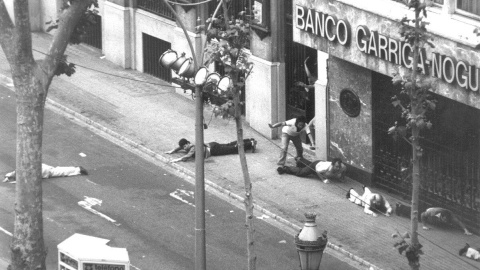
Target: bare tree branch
68,20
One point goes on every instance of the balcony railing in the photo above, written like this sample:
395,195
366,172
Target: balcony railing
156,7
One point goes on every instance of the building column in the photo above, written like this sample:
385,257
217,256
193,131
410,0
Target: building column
265,87
116,34
265,96
321,108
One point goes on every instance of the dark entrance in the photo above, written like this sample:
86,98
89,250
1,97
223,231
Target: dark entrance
153,48
93,34
450,171
298,100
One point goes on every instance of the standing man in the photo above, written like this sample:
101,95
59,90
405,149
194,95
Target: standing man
211,148
291,130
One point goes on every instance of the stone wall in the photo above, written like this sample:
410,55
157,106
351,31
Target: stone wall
350,137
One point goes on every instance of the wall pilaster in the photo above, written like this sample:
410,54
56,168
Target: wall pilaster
116,33
265,96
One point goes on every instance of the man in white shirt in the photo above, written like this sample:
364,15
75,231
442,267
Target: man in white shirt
50,171
325,170
371,202
291,130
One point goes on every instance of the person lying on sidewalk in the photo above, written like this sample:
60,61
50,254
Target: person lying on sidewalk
50,172
370,201
325,170
211,149
441,216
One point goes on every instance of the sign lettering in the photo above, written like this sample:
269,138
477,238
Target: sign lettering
97,266
383,47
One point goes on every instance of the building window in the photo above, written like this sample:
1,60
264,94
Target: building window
469,6
156,7
234,9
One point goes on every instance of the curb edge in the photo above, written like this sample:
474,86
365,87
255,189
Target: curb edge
8,82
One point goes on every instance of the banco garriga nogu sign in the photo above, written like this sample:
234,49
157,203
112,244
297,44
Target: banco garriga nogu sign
397,52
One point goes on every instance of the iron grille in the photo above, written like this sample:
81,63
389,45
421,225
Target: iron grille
449,169
93,35
471,6
153,48
156,7
299,102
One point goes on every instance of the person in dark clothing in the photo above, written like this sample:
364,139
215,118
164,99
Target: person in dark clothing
211,148
441,216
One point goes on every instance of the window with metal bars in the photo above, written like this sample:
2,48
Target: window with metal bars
234,7
463,7
470,6
93,36
156,7
153,48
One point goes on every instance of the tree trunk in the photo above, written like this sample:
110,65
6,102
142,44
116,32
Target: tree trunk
249,217
31,82
28,248
416,150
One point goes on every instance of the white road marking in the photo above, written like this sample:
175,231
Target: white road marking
180,193
6,232
131,265
88,203
91,182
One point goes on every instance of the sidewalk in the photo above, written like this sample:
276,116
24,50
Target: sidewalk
148,112
3,264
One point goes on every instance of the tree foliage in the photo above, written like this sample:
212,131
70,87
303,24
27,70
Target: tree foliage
414,101
412,252
227,41
88,19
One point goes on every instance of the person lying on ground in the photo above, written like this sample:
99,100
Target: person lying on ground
372,202
325,170
211,148
470,252
441,216
50,172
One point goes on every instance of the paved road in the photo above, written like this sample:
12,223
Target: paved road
152,204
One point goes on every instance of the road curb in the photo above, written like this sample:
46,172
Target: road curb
7,81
